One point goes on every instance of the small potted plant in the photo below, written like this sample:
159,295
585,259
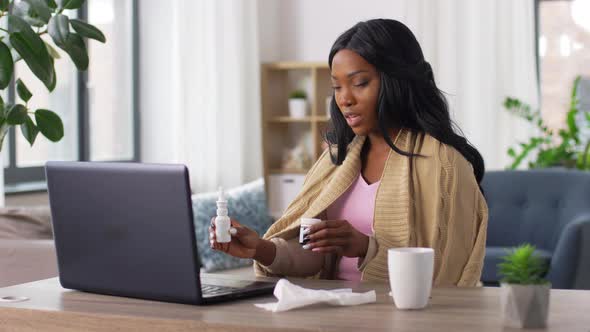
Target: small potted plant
298,104
524,291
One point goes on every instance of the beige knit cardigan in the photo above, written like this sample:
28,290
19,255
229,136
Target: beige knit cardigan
432,200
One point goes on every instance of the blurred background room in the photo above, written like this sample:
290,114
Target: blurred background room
237,91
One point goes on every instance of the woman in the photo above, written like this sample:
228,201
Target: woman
396,174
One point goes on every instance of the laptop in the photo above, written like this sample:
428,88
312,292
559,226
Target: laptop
126,229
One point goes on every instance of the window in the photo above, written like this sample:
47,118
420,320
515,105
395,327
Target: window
564,53
98,107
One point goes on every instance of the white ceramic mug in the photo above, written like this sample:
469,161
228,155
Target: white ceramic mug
306,223
410,276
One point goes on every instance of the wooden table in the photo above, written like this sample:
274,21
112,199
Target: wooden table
52,308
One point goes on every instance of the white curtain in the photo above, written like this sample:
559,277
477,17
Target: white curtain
207,111
481,51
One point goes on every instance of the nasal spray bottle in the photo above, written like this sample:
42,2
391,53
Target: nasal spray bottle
222,221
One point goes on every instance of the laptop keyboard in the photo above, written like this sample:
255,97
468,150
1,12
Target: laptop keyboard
212,290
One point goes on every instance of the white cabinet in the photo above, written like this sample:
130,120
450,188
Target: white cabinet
282,189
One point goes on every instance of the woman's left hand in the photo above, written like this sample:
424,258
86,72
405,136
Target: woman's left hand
337,236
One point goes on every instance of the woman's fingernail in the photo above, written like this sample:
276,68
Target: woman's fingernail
315,249
306,231
307,246
233,231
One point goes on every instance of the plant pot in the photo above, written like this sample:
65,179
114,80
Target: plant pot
297,108
525,306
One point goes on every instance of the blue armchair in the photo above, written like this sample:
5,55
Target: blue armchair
547,208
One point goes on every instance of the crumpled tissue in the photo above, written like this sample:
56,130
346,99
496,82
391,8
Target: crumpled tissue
291,296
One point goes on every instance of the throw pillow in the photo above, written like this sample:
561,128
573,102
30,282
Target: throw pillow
246,204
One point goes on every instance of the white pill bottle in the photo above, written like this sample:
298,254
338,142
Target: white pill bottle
222,221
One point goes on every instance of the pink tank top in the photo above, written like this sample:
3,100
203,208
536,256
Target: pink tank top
356,205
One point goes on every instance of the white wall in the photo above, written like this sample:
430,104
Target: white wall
288,30
304,30
269,30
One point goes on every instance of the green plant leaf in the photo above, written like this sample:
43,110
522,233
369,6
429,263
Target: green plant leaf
40,8
4,5
548,152
526,149
574,95
2,118
298,94
572,125
16,115
511,152
5,110
21,9
23,92
54,82
15,56
88,30
6,66
49,124
583,161
51,4
17,24
522,266
59,29
52,51
32,49
586,157
54,54
34,12
69,4
29,130
76,49
39,63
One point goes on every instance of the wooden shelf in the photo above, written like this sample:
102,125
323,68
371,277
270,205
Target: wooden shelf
288,119
281,134
288,171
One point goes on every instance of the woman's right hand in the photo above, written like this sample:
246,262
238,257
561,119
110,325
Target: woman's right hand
243,241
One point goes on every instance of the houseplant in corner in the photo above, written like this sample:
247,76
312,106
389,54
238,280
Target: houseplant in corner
562,147
298,104
524,291
24,26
